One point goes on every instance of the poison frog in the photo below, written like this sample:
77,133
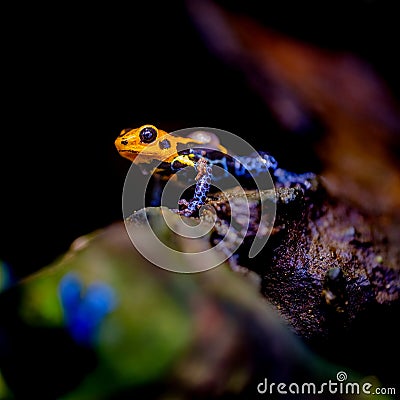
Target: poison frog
200,150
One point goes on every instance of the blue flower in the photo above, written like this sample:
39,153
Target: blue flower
84,310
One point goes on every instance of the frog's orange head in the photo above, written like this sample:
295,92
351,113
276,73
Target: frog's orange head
148,141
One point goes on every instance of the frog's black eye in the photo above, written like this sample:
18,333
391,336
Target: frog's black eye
148,135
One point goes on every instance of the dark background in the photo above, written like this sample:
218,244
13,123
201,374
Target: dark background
75,76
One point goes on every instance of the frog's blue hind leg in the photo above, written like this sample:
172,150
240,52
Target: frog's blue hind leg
288,179
265,162
203,181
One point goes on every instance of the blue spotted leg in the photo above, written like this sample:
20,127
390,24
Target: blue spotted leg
203,181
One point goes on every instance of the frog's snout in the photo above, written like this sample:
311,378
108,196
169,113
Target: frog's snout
120,144
124,148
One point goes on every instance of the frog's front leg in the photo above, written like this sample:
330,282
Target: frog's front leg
203,181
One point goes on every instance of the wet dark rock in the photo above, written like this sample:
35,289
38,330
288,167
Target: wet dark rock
320,260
